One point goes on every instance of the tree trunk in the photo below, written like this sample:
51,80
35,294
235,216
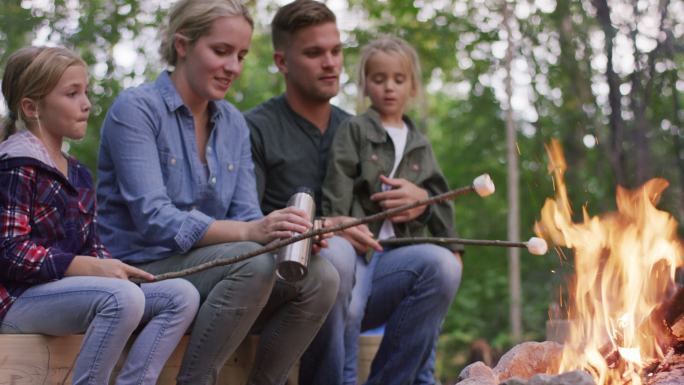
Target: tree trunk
513,182
617,127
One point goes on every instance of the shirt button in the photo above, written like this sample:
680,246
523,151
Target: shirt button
173,161
230,167
415,167
209,149
374,157
213,180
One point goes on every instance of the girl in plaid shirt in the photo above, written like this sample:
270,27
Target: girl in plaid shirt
56,278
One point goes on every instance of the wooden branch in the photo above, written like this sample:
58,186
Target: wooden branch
323,230
447,241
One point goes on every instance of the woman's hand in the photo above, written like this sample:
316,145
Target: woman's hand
278,224
84,265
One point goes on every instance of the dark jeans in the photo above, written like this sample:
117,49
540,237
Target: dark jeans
409,289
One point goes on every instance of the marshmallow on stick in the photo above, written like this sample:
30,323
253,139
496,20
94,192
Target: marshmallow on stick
536,246
484,185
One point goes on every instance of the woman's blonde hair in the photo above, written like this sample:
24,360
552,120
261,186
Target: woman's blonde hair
389,45
193,19
32,72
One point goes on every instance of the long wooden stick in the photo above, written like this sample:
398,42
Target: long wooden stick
446,241
452,194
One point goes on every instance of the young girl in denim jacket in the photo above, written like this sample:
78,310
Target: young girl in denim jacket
56,278
378,161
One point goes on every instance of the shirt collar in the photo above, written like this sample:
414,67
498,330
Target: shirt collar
336,116
378,134
173,100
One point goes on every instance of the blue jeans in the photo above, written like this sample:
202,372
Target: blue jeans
323,361
409,289
108,310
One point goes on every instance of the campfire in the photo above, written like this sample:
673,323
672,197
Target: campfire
623,302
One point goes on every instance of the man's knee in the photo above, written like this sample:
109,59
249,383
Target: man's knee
342,256
324,283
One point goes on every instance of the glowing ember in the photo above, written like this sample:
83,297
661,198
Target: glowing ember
625,264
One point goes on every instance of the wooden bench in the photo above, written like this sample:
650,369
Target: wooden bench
28,359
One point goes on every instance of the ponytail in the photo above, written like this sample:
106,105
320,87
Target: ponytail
9,126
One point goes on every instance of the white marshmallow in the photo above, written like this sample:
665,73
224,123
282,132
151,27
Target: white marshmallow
537,246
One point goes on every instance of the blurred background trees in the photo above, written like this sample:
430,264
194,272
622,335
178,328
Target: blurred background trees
604,77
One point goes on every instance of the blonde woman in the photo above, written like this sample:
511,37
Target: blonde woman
177,188
56,277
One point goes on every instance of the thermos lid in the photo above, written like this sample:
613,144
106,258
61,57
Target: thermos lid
305,190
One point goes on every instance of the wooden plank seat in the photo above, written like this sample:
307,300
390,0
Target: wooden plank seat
29,359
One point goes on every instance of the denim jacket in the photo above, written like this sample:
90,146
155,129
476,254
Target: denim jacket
156,197
361,152
46,219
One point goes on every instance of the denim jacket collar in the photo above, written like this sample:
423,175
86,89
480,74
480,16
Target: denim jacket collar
173,100
377,133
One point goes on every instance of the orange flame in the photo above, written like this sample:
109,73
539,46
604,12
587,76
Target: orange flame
625,265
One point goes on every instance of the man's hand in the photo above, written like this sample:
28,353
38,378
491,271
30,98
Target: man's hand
457,254
321,241
360,237
402,192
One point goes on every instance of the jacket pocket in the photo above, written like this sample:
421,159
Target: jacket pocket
172,172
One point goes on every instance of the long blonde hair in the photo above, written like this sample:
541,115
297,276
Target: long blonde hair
32,72
389,45
193,19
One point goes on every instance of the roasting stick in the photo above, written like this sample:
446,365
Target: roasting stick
534,245
482,185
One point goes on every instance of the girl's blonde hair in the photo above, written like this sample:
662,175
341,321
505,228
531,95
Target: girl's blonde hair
390,45
193,19
32,72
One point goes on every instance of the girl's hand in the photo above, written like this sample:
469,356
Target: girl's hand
278,224
89,266
402,192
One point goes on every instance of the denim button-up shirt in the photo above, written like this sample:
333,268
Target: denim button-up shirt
156,198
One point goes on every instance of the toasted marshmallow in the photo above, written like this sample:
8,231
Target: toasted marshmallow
484,186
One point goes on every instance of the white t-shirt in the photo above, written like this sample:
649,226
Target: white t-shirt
398,136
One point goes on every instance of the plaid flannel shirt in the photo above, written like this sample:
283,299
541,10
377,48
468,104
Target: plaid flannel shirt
45,221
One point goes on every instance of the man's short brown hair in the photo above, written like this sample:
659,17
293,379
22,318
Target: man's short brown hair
295,16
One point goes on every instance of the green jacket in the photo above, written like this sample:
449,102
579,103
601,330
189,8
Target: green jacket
361,152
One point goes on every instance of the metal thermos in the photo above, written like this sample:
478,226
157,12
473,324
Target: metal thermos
293,259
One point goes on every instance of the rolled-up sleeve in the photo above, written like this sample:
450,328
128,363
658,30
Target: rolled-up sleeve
129,140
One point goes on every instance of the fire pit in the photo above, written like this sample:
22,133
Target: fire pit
623,300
